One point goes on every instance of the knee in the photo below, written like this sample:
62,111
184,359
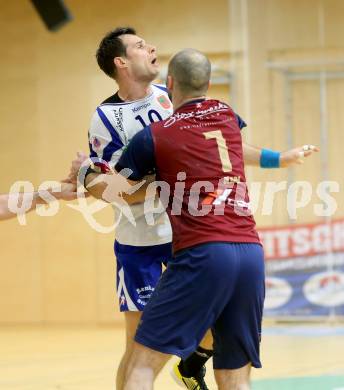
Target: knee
233,385
144,364
233,379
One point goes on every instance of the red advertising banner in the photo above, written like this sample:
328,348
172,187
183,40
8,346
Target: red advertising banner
304,269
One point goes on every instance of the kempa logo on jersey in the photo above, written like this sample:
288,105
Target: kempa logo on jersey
119,119
139,108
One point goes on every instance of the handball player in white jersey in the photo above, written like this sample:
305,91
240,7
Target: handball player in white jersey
140,250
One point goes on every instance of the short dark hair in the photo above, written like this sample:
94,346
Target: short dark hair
112,46
191,70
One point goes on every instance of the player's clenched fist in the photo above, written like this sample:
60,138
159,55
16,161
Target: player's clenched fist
75,166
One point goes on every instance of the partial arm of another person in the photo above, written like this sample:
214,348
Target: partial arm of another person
66,192
138,157
106,147
112,186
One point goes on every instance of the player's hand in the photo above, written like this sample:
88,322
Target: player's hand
68,192
75,166
296,155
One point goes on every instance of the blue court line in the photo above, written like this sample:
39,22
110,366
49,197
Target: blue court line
325,382
304,331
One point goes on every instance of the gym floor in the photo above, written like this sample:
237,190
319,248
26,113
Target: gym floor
297,357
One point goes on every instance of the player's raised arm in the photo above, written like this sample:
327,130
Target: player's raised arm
267,158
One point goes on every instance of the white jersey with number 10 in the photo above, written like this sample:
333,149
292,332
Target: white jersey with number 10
112,127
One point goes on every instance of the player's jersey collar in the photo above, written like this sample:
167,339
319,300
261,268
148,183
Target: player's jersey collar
116,99
191,102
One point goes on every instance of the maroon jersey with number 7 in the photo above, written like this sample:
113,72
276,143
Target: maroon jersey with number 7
198,152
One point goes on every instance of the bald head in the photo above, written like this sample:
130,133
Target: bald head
190,70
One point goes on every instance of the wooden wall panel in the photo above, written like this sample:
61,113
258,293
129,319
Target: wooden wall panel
333,12
21,273
306,130
335,94
292,24
57,269
69,269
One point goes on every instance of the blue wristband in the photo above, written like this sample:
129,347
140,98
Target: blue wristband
269,159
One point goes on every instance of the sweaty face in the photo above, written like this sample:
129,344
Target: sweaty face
141,58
